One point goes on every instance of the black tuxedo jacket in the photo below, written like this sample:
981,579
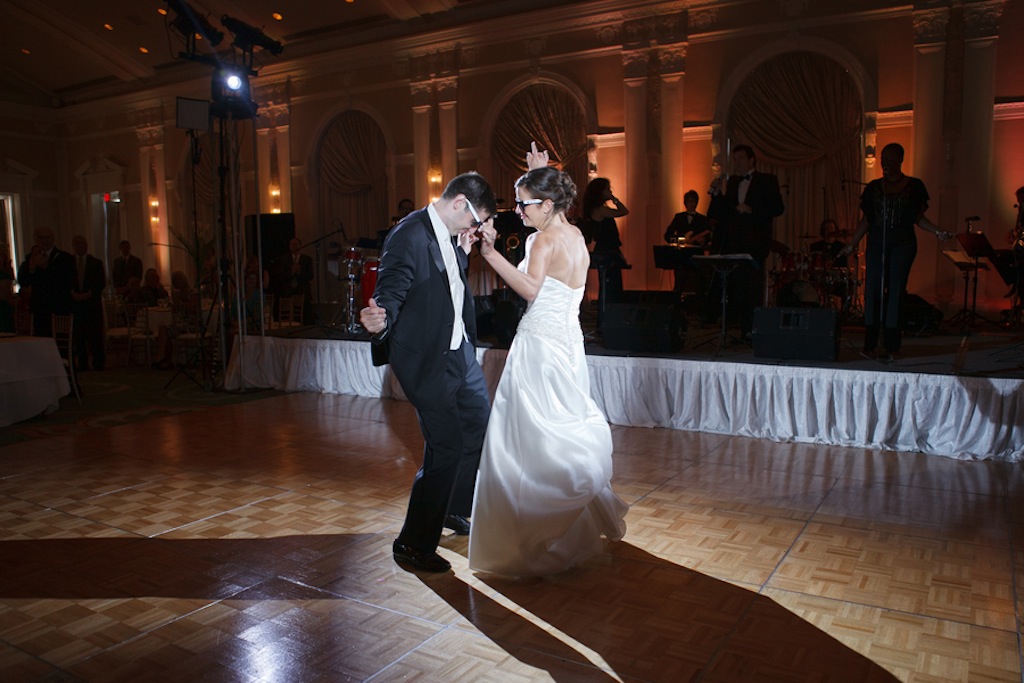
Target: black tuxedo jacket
299,283
680,226
51,286
412,285
94,282
126,268
750,233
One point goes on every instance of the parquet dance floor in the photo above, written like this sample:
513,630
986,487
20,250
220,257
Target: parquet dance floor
251,542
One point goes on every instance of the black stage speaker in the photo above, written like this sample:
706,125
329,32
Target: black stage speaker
644,321
276,231
920,316
796,333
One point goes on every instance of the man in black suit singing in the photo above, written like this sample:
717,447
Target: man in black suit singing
743,215
423,322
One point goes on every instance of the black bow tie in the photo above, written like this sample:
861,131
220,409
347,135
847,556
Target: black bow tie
748,175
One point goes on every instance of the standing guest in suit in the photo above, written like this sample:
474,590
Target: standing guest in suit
743,214
687,228
422,318
295,276
125,267
50,273
87,302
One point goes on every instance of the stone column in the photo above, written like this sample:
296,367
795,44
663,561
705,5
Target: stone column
981,30
153,179
447,95
421,141
673,72
930,148
634,195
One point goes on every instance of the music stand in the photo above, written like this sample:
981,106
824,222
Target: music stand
724,265
977,247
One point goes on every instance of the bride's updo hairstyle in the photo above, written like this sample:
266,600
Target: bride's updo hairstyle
549,183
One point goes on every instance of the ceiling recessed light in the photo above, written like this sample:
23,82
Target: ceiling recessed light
277,16
161,10
144,50
26,51
108,27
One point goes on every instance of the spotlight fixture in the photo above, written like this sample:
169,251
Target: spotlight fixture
230,93
247,37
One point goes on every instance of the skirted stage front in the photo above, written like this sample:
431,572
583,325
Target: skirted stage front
955,416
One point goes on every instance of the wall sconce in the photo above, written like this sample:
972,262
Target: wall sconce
275,198
154,210
435,184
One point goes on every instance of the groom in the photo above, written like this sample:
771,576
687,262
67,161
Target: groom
423,321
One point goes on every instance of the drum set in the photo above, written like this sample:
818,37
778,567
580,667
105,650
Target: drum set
358,277
812,280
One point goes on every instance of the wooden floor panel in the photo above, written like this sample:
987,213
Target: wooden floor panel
252,542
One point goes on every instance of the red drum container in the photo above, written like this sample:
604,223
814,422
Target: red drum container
368,283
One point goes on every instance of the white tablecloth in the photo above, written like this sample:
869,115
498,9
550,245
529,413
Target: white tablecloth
32,378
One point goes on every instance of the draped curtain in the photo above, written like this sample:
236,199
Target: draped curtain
552,117
352,185
802,114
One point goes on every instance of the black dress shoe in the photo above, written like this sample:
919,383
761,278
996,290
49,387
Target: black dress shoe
427,562
460,525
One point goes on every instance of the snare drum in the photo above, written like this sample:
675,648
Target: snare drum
368,282
794,261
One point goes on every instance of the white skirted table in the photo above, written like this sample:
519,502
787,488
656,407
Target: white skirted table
32,378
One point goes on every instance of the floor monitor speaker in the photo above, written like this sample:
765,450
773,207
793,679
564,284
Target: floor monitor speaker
796,333
649,322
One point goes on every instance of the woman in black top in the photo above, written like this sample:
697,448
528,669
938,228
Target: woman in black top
891,206
598,226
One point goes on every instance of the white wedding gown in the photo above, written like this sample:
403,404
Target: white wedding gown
543,498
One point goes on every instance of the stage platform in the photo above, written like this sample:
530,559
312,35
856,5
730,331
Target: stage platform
949,394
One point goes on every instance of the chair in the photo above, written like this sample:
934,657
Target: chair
139,332
63,334
116,336
190,349
289,310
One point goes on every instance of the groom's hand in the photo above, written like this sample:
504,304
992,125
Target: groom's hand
373,318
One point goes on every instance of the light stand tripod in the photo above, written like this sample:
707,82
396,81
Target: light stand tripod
724,265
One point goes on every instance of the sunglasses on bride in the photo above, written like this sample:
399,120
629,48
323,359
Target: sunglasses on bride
521,204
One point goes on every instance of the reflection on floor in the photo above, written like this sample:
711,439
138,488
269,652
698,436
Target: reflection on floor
251,542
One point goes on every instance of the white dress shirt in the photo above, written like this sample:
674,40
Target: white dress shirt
451,264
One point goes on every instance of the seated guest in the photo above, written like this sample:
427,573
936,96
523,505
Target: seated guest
152,290
181,291
133,292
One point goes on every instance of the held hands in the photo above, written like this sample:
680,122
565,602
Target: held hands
373,318
536,159
943,235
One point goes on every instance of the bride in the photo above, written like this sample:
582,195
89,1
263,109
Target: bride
543,498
